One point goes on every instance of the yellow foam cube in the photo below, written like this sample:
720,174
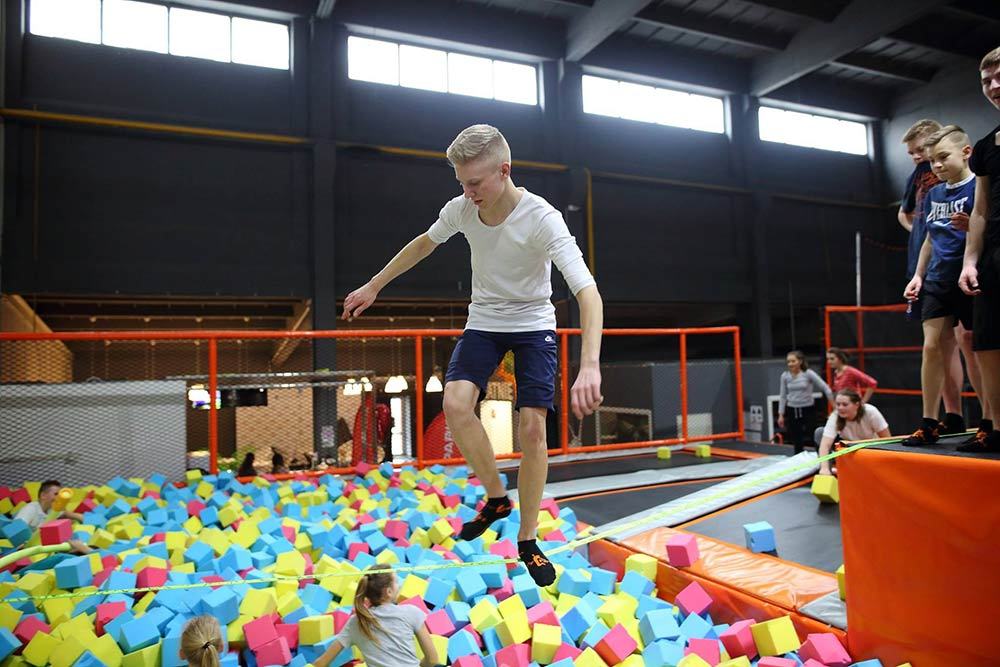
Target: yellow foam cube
67,652
693,660
314,629
147,657
9,616
58,610
825,488
633,660
288,603
258,602
545,641
842,582
566,602
615,608
775,637
387,557
36,584
512,607
589,658
106,649
227,515
39,649
32,488
234,631
149,561
703,451
290,564
413,586
741,661
184,568
204,490
643,564
440,647
440,531
193,525
663,453
6,507
143,604
513,630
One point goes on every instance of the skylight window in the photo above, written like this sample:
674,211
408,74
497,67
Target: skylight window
651,104
150,26
379,61
811,131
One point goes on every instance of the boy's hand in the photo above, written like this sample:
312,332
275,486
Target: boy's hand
969,280
781,421
586,391
912,290
359,300
960,221
824,468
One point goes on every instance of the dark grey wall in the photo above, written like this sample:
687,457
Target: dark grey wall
105,211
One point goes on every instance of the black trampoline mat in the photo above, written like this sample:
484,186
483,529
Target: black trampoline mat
756,447
604,508
805,531
584,468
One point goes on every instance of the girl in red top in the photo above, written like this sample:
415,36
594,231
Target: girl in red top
849,377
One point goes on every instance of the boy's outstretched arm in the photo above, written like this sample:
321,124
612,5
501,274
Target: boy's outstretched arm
586,392
411,255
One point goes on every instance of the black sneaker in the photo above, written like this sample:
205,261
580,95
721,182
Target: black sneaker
951,424
494,509
982,443
923,437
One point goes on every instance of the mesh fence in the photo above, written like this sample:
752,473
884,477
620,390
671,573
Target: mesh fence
82,409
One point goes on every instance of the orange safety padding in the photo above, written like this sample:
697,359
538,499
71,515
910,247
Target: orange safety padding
731,604
784,584
921,537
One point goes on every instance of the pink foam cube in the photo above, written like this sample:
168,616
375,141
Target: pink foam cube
554,536
20,496
439,623
340,618
738,640
551,506
260,632
85,505
456,523
418,603
151,576
515,655
357,548
475,635
106,611
812,663
566,651
451,501
693,599
774,661
505,549
468,661
543,613
30,625
274,652
56,532
396,530
825,648
706,649
615,646
194,507
504,591
682,550
290,632
363,468
102,576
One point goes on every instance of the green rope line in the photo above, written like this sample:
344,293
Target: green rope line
569,546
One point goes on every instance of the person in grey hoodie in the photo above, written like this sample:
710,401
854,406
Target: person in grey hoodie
796,406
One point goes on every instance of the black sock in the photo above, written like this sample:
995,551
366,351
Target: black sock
931,423
495,508
539,567
986,425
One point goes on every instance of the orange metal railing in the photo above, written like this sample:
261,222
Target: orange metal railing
418,336
860,349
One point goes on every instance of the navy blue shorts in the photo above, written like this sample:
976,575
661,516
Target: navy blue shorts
478,354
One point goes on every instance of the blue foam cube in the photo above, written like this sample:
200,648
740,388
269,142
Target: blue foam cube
470,584
200,554
580,618
658,624
221,603
17,531
138,634
9,643
526,587
574,582
602,582
636,585
695,627
874,662
438,591
594,635
662,653
73,573
759,536
461,643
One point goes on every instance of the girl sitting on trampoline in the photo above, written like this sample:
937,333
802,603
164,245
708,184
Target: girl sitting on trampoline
852,419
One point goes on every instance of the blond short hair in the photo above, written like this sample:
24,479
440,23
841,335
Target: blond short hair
478,142
953,133
991,59
922,127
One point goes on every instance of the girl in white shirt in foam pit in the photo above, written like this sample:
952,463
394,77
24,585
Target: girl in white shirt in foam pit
851,420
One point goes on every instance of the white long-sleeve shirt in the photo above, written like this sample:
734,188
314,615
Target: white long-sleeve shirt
512,262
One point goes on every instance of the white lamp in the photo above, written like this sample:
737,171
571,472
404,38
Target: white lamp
433,385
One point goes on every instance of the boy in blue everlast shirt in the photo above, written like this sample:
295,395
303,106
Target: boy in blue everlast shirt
935,281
